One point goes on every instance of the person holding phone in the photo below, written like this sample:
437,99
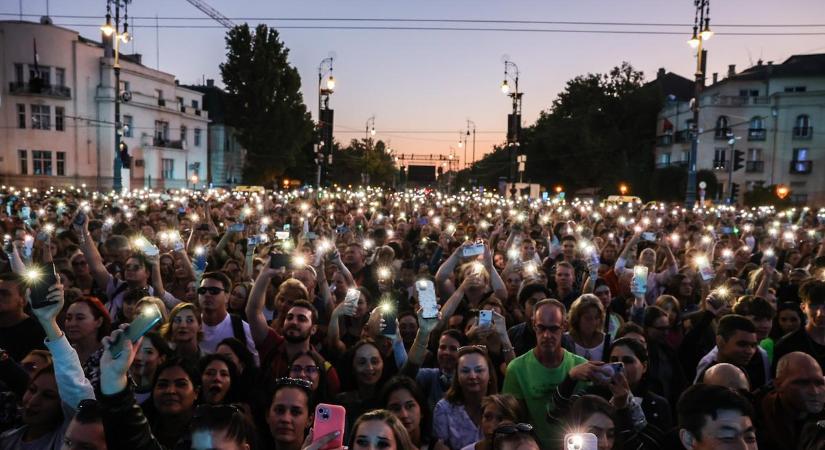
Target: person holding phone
54,393
656,281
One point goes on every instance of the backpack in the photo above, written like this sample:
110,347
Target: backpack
237,328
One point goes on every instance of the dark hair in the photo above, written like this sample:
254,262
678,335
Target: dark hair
240,350
731,323
629,327
98,312
531,289
88,411
812,291
758,307
776,331
219,276
307,305
143,261
234,375
159,343
289,383
12,277
455,334
322,393
701,400
401,382
186,365
230,418
635,346
587,405
652,313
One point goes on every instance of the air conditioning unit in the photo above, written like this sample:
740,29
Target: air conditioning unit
138,163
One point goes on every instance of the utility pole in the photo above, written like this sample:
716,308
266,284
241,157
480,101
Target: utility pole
513,120
121,157
701,33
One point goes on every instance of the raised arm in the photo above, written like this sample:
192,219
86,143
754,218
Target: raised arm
499,288
87,246
448,267
255,305
619,267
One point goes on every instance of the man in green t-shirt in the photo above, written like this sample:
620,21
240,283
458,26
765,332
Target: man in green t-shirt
533,377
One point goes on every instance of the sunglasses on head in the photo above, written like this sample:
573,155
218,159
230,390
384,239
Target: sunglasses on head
296,382
213,290
511,429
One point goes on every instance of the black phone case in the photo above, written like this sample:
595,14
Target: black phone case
40,290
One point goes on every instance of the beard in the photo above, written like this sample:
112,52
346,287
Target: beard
295,338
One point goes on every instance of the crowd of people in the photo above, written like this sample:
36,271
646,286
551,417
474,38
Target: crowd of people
560,324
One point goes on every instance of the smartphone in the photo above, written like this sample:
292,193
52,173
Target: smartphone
287,227
649,236
581,441
80,218
473,250
312,235
426,298
388,313
770,259
329,419
237,227
639,283
278,260
254,240
282,235
705,270
148,316
200,261
40,285
150,249
351,301
616,367
727,230
485,318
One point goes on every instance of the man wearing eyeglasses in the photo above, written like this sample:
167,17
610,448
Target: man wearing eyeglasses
534,376
213,298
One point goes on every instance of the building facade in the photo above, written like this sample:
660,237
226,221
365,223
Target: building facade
774,113
57,120
226,155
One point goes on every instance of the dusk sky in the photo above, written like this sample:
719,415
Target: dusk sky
433,81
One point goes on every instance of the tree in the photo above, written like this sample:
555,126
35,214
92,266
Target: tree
362,159
264,104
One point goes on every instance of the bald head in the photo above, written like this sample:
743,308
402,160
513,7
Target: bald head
727,375
796,363
800,384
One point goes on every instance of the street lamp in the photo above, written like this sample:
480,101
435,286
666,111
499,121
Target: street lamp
370,128
701,33
511,73
323,154
623,189
112,30
782,191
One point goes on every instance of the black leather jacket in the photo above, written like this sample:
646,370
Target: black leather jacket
128,428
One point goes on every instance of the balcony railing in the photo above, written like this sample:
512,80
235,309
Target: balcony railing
801,167
682,136
803,133
757,134
50,90
664,139
161,102
719,164
721,133
662,165
160,142
754,166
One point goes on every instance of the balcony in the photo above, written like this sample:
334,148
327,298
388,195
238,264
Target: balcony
37,88
721,134
664,139
803,133
166,143
720,165
161,102
682,136
757,134
754,166
190,110
801,167
735,100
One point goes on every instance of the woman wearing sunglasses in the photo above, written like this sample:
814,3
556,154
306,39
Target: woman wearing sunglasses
183,331
457,417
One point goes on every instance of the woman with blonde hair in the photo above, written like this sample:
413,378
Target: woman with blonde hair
183,331
380,429
586,321
496,410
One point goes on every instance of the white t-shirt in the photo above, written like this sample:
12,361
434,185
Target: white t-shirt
213,335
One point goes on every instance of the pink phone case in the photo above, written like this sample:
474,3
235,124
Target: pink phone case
329,418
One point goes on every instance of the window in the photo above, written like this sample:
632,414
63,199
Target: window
41,117
722,130
802,128
41,162
664,159
161,101
21,116
183,133
748,92
800,154
197,137
18,73
59,118
42,73
125,86
161,130
686,155
719,158
61,164
168,169
754,154
757,123
181,104
795,88
128,123
59,77
195,104
803,121
24,162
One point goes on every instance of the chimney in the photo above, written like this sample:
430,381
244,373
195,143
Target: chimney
731,70
210,82
177,82
759,62
661,73
770,63
715,77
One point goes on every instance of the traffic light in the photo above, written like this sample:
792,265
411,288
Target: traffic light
125,159
734,192
738,160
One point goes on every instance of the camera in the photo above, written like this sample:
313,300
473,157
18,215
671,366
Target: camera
324,413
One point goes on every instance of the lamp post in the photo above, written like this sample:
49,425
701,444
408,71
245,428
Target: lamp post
114,31
473,124
369,128
323,154
701,33
511,72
